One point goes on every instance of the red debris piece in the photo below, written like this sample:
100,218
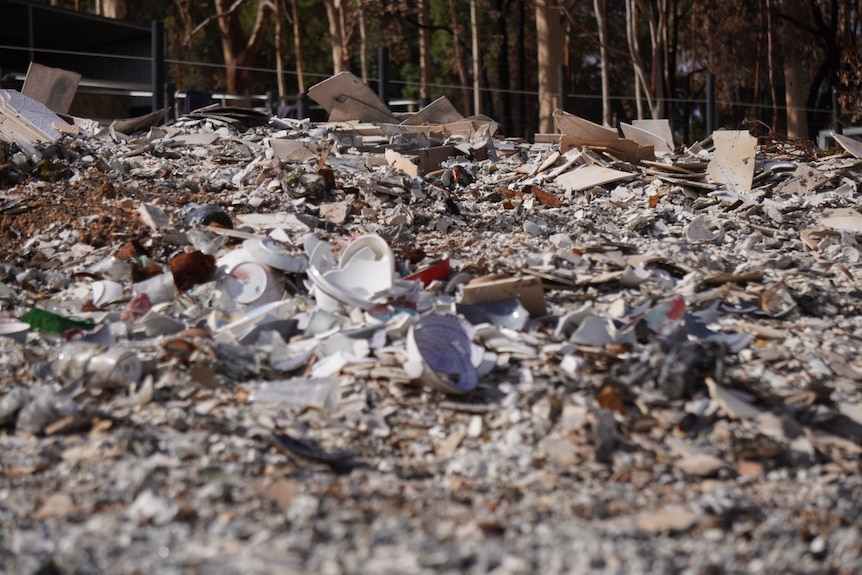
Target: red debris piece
192,268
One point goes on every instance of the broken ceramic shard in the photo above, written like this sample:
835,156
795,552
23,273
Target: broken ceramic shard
25,120
702,229
107,291
53,87
275,255
15,330
733,160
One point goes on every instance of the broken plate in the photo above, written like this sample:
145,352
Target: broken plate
275,255
439,354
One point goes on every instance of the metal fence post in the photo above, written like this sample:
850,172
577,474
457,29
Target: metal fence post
171,101
836,113
157,73
383,74
271,102
562,86
710,104
301,106
31,41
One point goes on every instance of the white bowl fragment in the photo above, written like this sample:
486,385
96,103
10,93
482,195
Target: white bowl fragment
16,330
364,275
703,230
275,255
106,291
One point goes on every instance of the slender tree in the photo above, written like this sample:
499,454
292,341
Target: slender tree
601,12
549,35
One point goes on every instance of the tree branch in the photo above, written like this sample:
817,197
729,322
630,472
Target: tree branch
207,21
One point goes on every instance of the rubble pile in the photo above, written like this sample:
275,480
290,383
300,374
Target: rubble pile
405,343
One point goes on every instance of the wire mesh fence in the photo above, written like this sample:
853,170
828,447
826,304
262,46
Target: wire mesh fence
688,116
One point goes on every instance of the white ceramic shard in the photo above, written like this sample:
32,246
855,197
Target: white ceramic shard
23,118
733,161
16,330
702,229
275,255
106,291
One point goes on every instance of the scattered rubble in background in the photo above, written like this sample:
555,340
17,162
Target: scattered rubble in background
262,332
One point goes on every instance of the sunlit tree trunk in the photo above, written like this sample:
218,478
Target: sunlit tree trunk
239,50
504,76
337,34
363,44
794,78
297,45
118,9
424,51
602,25
477,61
279,60
460,67
549,33
794,98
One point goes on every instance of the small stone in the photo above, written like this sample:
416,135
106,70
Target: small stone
670,519
701,465
57,505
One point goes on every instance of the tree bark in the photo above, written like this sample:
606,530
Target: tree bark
463,77
279,60
424,51
239,50
477,62
643,87
118,9
794,78
297,45
334,15
655,15
363,44
504,78
549,33
770,62
600,9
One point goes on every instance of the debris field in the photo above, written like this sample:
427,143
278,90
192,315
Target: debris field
234,343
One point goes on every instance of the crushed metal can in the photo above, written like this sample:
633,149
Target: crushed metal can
97,367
